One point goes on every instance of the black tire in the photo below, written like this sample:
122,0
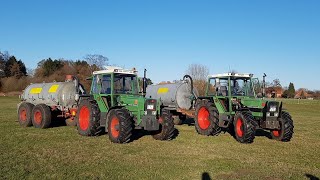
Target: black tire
25,114
41,116
88,118
207,118
244,127
71,122
166,131
120,126
286,128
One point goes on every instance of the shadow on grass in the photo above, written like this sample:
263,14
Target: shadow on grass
263,133
189,122
58,122
206,176
138,133
311,177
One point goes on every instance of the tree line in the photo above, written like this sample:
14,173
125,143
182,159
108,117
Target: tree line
15,77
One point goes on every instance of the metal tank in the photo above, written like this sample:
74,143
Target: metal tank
179,95
63,94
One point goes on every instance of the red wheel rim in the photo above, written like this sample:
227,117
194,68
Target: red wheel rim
23,114
38,117
84,117
239,127
276,133
115,127
203,118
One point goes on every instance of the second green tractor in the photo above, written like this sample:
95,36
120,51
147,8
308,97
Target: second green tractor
231,103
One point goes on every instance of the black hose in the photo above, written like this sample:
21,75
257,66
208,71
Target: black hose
191,81
76,83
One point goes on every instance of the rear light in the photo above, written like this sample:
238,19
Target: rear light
263,104
73,112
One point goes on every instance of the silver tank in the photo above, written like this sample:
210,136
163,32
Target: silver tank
176,95
52,94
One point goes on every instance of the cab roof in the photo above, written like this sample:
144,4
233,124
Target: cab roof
240,75
113,69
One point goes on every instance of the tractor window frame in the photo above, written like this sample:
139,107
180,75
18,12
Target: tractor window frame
96,84
106,84
123,81
211,88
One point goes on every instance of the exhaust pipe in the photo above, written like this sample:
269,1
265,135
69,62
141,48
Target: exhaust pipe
144,91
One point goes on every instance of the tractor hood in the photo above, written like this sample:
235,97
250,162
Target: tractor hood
131,100
253,102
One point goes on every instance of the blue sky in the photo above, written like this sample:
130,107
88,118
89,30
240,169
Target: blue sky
280,37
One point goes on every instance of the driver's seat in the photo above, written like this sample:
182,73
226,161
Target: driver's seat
223,91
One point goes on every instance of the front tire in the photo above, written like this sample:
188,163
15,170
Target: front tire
41,116
286,128
244,127
25,114
166,131
88,118
120,126
207,119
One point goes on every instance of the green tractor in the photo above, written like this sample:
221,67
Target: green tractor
116,104
232,103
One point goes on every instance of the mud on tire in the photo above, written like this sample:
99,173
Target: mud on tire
207,118
120,126
25,114
166,131
88,118
244,127
286,132
41,116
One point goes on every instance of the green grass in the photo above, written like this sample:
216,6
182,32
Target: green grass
60,153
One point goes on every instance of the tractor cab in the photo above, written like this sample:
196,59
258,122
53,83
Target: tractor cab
232,90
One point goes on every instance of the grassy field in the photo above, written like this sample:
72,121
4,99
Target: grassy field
60,153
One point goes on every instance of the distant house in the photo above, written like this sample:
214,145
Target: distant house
302,94
274,92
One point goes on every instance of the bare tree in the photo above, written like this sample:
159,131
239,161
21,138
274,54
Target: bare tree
199,74
96,60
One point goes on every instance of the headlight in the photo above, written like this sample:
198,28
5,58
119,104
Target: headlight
273,108
150,107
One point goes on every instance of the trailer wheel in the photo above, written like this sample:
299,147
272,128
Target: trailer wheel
166,131
286,128
25,114
120,126
88,118
207,118
41,116
244,127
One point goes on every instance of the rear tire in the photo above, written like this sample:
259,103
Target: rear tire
207,119
88,118
166,131
25,114
286,128
41,116
120,126
244,127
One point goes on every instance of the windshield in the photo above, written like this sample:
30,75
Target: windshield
125,84
241,87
